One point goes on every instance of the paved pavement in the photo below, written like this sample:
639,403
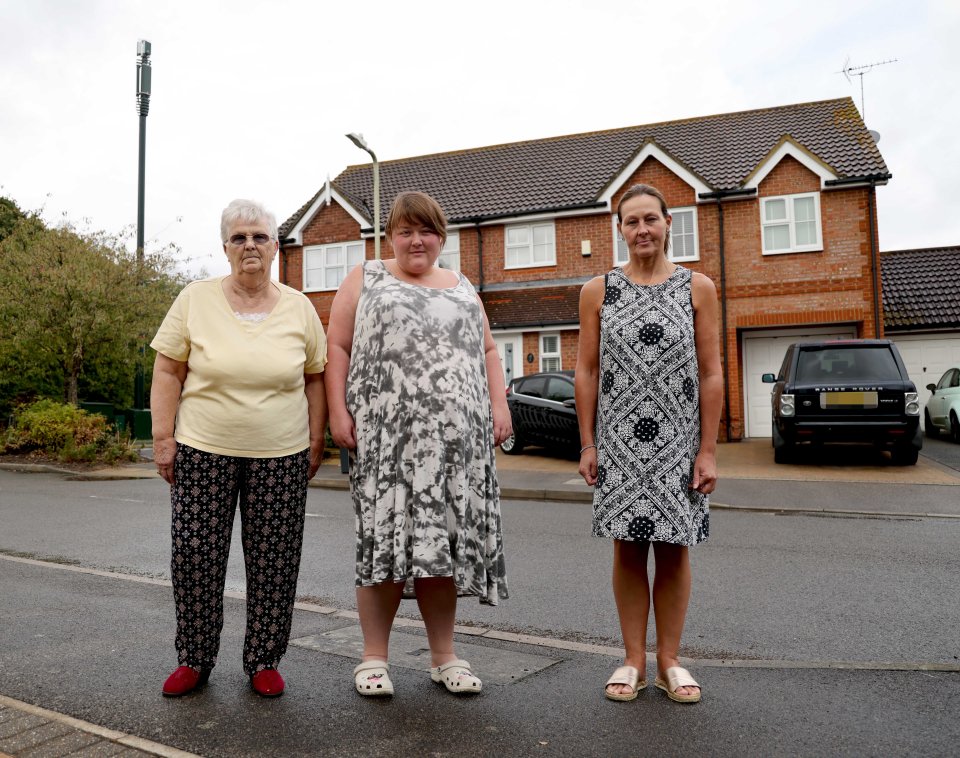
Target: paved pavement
26,730
543,475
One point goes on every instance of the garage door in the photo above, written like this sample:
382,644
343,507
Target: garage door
927,357
762,354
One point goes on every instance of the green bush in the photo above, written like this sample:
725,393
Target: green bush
63,431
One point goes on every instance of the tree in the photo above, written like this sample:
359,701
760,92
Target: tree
10,214
76,306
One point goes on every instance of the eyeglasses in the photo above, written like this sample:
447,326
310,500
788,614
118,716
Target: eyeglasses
259,239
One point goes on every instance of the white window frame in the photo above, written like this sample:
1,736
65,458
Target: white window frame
520,249
312,253
450,254
790,222
621,255
695,233
545,355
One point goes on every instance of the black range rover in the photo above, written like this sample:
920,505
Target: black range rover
845,391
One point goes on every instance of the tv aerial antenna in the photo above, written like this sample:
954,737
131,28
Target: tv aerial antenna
851,71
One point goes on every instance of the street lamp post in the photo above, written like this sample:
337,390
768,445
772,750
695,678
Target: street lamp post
144,71
357,139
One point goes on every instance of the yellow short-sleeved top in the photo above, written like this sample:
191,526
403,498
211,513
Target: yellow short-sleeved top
243,395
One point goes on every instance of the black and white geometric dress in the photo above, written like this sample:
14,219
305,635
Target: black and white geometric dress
648,414
423,475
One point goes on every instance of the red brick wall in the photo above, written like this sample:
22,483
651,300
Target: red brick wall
331,224
568,350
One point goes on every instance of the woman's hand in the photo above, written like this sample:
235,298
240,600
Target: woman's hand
343,431
588,465
164,454
502,422
704,473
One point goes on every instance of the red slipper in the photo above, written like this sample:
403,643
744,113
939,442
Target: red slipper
267,683
183,680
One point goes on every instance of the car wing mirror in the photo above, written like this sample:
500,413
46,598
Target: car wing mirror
932,387
768,378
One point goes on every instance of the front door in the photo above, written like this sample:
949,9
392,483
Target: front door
508,348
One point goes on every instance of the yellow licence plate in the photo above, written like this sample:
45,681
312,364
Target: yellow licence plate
848,400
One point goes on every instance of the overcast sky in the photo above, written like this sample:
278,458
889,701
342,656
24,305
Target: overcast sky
252,99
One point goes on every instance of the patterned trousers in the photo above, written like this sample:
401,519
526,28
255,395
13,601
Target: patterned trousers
272,493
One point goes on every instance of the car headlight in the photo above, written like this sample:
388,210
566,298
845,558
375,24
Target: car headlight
787,407
911,403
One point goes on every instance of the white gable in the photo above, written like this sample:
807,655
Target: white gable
327,197
650,150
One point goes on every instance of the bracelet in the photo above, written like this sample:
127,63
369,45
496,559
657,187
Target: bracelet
586,447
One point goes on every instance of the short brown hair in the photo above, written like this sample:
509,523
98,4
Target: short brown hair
417,208
646,189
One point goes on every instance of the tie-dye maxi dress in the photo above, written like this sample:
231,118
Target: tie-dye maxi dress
423,476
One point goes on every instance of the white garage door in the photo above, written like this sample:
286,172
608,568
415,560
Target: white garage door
763,353
927,357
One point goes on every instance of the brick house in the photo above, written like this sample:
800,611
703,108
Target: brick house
776,205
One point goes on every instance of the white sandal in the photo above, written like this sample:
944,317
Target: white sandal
457,677
678,677
372,679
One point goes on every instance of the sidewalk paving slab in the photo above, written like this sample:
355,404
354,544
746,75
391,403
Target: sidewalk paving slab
28,731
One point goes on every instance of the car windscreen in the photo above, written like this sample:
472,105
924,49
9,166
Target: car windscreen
840,365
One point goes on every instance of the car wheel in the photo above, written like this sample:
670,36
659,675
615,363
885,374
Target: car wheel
512,445
782,450
954,428
928,427
906,455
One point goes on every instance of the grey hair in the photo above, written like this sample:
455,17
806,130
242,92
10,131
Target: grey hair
246,212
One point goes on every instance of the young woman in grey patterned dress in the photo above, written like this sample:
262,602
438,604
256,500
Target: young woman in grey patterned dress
648,393
416,392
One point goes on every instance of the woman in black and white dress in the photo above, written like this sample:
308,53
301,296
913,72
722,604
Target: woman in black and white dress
648,393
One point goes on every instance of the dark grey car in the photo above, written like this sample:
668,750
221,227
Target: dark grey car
543,412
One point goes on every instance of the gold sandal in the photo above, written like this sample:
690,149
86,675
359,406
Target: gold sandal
678,677
629,676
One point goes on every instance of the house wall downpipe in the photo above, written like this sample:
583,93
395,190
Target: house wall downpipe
723,324
479,255
874,273
719,195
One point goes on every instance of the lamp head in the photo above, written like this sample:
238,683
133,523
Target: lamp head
357,139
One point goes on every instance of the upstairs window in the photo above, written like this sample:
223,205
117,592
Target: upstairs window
620,252
450,255
530,245
791,223
684,242
326,266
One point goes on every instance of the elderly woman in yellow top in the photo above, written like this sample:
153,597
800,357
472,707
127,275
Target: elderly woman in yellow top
239,414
